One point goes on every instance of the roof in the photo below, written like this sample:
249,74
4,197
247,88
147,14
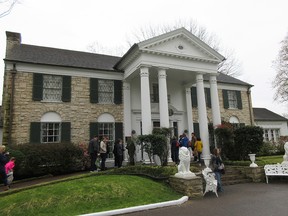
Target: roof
263,114
61,57
68,58
223,78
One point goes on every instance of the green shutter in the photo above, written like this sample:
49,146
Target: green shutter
65,132
37,94
208,97
239,99
196,129
66,92
93,129
194,97
117,91
225,99
35,131
93,90
118,130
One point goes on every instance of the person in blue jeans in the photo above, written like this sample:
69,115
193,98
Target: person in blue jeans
216,165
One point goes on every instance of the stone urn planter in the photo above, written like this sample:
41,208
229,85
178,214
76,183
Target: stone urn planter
252,158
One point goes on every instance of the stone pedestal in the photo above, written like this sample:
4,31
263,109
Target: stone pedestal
193,187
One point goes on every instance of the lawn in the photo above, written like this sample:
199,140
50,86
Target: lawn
87,195
269,160
260,161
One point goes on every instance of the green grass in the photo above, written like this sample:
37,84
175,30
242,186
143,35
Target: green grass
260,161
86,195
269,160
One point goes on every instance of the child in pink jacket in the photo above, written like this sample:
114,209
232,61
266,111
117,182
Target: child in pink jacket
9,170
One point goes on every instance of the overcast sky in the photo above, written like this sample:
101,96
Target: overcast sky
253,29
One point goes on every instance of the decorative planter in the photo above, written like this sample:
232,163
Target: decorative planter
252,158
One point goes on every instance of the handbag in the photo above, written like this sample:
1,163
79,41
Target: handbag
221,168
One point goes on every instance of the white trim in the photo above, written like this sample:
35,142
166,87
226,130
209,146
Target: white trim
140,208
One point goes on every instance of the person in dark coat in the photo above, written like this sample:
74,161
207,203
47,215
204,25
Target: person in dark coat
3,160
118,152
175,150
93,150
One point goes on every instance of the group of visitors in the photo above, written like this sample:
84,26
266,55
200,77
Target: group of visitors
6,167
99,151
195,147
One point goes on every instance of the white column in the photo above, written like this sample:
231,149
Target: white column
145,101
163,99
189,111
202,113
127,108
216,117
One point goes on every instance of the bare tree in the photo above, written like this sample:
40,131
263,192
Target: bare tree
280,82
7,6
231,66
96,47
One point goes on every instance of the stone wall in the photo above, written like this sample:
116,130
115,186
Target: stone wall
80,112
193,188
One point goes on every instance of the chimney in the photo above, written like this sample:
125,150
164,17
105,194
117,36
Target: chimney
13,39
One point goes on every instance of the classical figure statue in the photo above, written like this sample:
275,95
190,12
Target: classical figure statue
184,165
285,157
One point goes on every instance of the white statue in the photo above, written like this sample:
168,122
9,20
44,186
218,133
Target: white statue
184,165
285,157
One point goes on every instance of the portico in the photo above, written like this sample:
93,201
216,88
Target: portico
158,76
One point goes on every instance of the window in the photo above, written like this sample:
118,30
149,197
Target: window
272,135
194,97
156,124
232,99
105,91
52,88
107,130
50,132
155,93
266,135
50,129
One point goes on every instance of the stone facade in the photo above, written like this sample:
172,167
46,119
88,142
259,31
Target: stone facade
80,112
244,115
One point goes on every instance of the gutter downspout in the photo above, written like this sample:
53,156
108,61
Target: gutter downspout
13,73
249,104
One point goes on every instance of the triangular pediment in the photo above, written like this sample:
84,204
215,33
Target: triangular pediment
180,43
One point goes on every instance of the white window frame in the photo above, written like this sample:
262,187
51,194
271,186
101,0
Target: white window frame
50,132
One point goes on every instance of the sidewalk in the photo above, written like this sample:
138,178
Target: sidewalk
249,199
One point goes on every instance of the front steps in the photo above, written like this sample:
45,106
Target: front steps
233,175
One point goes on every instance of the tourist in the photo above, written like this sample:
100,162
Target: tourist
198,147
103,152
93,150
175,150
118,152
217,167
3,160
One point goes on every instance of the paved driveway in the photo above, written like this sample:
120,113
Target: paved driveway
249,199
